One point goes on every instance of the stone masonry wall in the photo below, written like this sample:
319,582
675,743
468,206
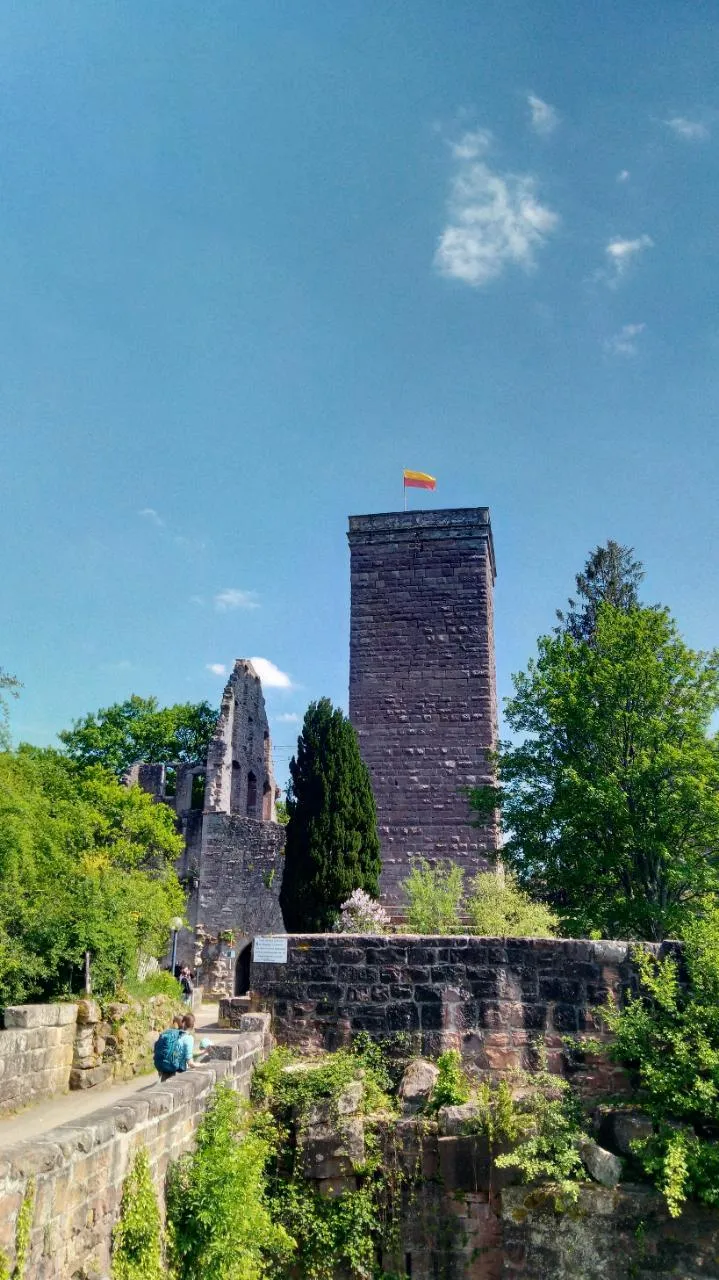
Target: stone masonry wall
240,879
36,1052
80,1168
493,999
422,680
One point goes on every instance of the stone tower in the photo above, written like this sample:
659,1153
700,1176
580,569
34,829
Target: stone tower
422,680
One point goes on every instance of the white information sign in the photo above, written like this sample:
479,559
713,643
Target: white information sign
270,951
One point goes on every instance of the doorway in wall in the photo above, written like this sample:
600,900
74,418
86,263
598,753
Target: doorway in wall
242,970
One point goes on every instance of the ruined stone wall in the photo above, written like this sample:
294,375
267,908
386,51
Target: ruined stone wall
493,999
36,1052
422,680
240,777
80,1167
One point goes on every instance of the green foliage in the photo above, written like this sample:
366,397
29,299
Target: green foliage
610,576
611,800
219,1222
161,983
137,1237
452,1086
292,1084
669,1037
545,1133
434,896
139,729
332,843
13,686
334,1235
85,864
23,1227
498,908
282,815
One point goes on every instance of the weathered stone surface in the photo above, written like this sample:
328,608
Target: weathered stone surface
477,995
87,1078
88,1011
422,680
417,1083
454,1121
601,1165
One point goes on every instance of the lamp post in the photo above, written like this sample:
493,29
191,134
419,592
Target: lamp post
175,925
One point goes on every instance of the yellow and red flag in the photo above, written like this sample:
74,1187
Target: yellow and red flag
419,480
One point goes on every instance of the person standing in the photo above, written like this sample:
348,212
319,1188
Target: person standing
186,985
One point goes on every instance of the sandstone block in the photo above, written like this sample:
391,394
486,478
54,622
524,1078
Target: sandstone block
32,1015
417,1084
88,1079
88,1012
601,1165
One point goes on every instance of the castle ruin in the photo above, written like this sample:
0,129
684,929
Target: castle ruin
232,864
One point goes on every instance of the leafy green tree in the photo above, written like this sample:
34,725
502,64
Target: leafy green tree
139,729
332,842
85,864
610,800
13,686
611,575
434,897
498,908
219,1221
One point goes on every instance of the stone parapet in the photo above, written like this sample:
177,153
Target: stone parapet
80,1167
36,1053
494,999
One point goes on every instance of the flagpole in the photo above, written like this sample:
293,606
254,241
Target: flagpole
404,490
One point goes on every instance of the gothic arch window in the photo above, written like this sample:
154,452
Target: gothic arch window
235,787
251,795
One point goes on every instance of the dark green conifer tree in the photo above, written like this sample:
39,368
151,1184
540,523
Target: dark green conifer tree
332,842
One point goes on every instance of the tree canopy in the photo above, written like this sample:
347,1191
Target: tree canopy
12,685
85,864
332,842
610,799
611,575
140,729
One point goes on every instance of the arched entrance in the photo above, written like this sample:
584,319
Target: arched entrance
242,970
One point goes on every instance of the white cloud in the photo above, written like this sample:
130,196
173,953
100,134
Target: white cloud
624,342
623,175
288,717
270,675
544,118
149,513
620,253
196,600
494,219
217,668
690,130
234,598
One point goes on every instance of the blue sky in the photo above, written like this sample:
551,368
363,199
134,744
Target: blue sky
257,258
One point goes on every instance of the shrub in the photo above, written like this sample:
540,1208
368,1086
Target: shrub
452,1086
498,908
362,914
137,1238
669,1037
434,895
218,1219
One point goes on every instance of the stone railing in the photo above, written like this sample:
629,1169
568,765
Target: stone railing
79,1168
